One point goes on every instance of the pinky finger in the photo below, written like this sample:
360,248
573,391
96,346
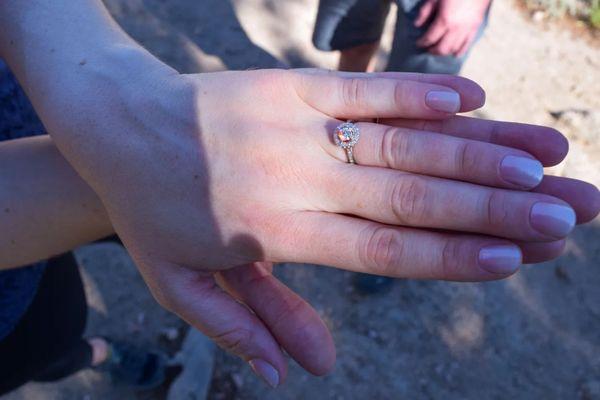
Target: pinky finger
534,253
197,299
293,322
365,246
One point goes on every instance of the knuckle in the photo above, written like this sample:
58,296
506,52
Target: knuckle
395,147
401,93
293,309
453,259
467,158
494,133
354,92
495,209
382,250
236,341
409,200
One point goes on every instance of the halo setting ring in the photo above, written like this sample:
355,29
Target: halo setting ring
346,136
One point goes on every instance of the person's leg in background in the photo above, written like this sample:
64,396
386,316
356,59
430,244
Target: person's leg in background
353,27
359,58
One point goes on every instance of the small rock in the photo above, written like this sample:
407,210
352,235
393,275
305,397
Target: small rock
562,273
197,360
170,333
538,16
238,380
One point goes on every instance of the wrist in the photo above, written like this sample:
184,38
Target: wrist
94,89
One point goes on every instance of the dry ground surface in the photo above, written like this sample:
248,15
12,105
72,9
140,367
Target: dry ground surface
533,336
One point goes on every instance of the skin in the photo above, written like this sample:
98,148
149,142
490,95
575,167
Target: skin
209,178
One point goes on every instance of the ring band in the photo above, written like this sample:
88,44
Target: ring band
346,136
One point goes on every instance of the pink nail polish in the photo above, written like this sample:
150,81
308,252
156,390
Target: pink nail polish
522,171
444,101
555,220
500,259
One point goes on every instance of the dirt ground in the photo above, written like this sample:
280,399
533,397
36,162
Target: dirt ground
533,336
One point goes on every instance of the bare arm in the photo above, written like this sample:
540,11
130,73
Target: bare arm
46,207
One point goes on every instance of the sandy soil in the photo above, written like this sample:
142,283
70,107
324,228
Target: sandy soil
533,336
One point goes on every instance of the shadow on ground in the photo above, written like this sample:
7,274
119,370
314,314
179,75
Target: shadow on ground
206,37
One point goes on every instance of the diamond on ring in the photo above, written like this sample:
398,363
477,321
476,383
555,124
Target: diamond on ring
346,136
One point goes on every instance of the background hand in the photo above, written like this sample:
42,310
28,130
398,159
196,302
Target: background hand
454,25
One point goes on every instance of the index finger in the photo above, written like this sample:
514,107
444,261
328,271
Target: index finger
387,95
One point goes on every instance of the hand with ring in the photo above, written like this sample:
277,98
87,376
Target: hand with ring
229,169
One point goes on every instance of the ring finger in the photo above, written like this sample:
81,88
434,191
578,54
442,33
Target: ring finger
440,155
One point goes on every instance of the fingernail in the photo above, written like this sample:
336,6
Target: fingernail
443,101
500,259
522,171
553,220
265,371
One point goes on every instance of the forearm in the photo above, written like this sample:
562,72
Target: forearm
79,69
45,207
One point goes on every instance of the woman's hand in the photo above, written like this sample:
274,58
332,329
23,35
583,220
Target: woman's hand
203,173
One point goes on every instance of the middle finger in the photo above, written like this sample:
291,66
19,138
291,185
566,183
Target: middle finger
400,198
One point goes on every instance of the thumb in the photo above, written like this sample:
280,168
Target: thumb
198,299
291,320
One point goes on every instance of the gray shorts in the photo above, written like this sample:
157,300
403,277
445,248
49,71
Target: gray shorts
342,24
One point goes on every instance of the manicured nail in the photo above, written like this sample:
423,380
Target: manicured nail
522,171
500,259
265,371
553,220
443,101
